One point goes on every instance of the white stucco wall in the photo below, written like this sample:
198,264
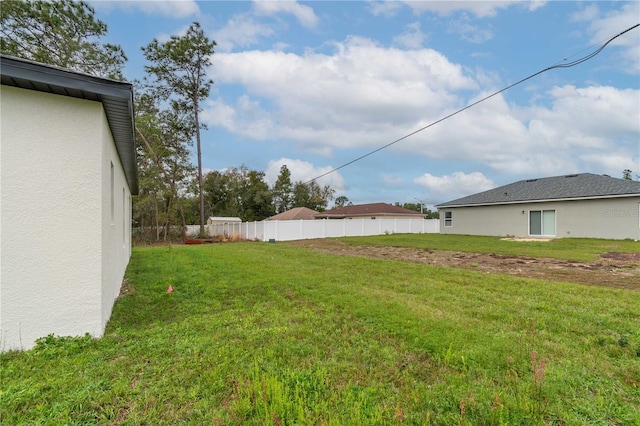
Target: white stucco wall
55,245
116,229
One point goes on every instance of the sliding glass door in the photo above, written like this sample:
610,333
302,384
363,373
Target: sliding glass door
542,222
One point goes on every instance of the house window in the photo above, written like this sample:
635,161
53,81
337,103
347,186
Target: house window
448,218
113,200
124,218
542,222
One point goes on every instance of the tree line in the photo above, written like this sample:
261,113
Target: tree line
168,101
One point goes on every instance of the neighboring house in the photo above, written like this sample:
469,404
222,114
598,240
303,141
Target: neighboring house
577,205
371,211
297,213
67,174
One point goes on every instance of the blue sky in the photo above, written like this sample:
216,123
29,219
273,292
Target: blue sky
315,85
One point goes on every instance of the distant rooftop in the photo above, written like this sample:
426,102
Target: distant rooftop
583,185
377,209
297,213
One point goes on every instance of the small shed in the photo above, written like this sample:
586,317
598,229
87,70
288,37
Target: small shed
221,220
219,225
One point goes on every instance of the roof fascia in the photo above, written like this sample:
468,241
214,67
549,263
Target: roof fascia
550,200
16,71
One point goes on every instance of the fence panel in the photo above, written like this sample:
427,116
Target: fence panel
288,230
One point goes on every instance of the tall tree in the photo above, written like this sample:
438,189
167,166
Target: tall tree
422,208
258,198
283,190
180,70
341,201
163,163
64,33
312,195
626,174
238,192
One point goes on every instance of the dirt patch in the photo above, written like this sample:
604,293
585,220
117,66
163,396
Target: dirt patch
126,288
617,270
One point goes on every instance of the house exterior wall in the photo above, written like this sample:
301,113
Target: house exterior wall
612,218
61,265
116,224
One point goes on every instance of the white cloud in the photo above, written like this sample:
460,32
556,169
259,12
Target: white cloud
470,32
361,95
536,4
604,27
392,180
412,38
171,8
598,112
540,140
613,163
384,8
240,31
587,14
218,112
480,9
455,185
304,171
304,14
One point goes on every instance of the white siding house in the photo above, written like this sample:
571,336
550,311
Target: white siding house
67,174
578,205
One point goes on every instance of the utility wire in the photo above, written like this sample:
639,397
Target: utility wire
563,65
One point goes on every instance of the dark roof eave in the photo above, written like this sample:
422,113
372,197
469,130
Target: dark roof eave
115,96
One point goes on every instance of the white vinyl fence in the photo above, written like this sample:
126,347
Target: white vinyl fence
288,230
193,230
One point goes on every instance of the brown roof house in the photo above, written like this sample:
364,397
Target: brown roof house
297,213
372,211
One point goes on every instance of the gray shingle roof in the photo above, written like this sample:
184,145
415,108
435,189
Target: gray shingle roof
583,185
115,96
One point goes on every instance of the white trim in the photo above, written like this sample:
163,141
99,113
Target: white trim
450,219
550,200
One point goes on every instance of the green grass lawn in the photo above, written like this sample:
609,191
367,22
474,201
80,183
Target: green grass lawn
258,333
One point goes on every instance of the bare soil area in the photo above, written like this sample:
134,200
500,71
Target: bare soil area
615,269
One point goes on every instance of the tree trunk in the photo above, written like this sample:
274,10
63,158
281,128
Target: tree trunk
200,193
172,183
155,201
167,223
184,223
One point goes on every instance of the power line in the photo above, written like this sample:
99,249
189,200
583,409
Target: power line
562,65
